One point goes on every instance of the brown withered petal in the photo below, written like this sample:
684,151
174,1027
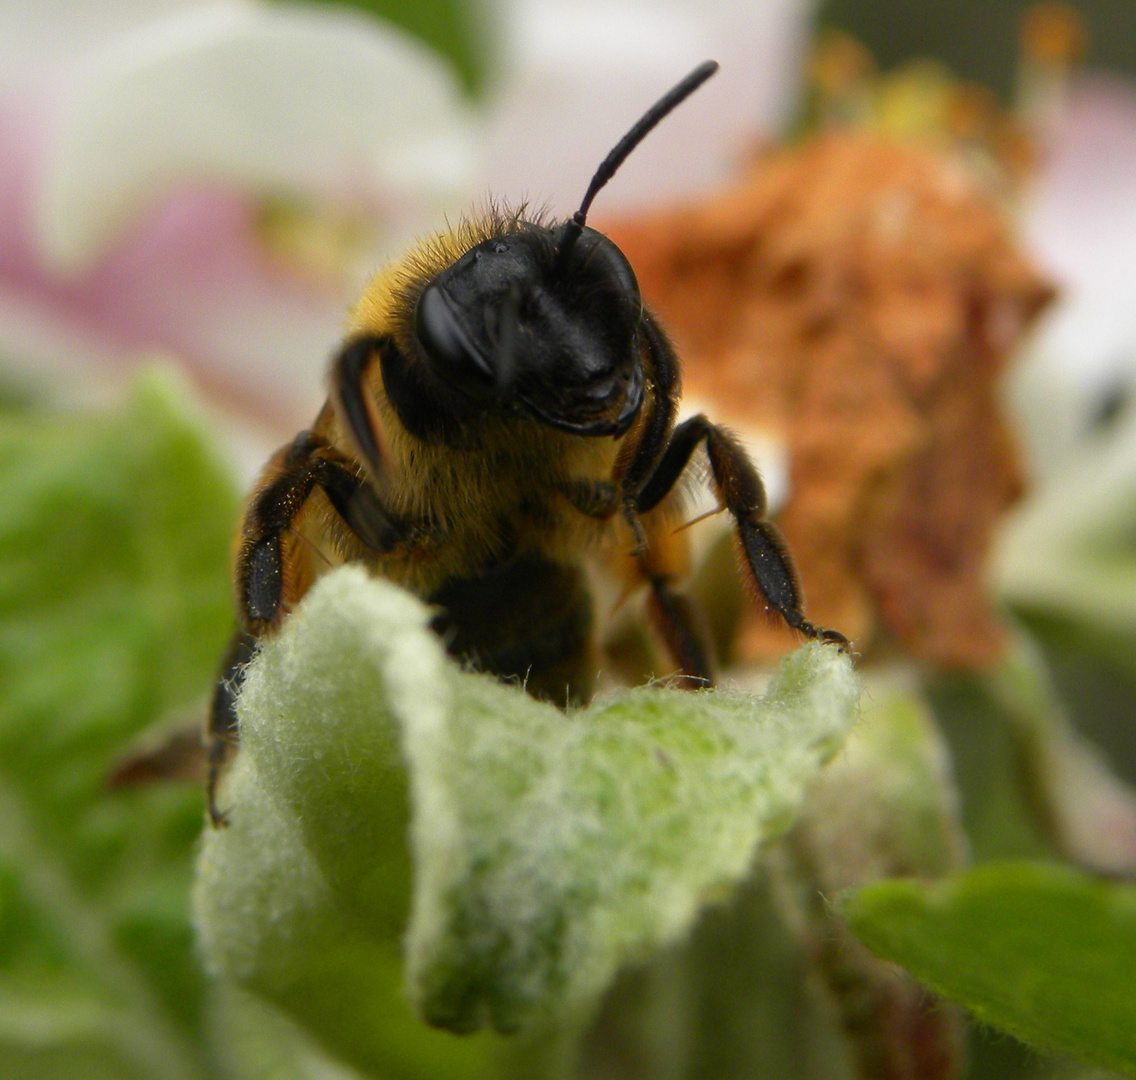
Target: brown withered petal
861,297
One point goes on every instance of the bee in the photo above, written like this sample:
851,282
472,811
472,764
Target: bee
502,404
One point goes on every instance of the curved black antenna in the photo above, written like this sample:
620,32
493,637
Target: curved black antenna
632,139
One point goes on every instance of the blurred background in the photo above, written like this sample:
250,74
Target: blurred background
895,243
138,137
214,181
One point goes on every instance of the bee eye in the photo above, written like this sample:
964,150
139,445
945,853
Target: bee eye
500,248
603,253
446,341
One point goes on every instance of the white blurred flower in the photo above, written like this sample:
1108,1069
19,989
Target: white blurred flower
1080,221
134,166
317,101
576,74
141,140
1068,550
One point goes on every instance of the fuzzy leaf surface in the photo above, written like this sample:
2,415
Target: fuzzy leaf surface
548,848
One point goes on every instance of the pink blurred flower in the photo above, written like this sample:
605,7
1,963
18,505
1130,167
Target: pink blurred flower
134,168
575,74
1080,221
1067,551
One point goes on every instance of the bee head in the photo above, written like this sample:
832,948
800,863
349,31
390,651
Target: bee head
547,319
510,322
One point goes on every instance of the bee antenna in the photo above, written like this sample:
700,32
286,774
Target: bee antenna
666,104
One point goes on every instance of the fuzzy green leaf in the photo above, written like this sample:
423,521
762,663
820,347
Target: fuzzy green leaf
1042,951
113,607
772,984
548,849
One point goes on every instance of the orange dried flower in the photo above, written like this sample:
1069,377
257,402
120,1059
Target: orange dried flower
860,297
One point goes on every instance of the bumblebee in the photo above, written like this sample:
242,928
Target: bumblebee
503,404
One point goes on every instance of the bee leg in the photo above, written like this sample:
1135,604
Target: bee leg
354,403
427,409
266,580
270,576
662,370
672,613
741,491
221,732
677,622
662,560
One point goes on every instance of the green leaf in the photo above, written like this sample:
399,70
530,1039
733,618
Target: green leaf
548,848
744,995
886,806
1088,813
1041,951
255,1041
113,609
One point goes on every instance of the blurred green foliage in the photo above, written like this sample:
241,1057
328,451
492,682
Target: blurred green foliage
113,606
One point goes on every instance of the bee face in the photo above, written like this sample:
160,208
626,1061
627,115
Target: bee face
521,324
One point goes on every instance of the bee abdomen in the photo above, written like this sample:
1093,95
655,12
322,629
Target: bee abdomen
529,620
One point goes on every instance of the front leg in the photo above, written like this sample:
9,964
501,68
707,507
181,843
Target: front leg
738,486
273,569
268,579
